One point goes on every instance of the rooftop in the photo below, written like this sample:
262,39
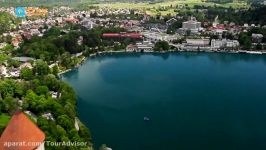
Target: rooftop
21,129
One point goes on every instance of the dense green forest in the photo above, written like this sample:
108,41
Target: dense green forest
33,91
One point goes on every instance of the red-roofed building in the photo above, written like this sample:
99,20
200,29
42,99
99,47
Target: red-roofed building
22,134
73,20
219,26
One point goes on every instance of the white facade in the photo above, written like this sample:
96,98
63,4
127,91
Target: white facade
224,43
88,23
157,36
192,25
145,46
198,42
2,45
3,70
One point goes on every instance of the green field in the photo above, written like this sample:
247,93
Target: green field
4,119
153,8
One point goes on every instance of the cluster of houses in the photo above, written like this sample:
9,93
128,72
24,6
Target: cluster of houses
151,32
7,72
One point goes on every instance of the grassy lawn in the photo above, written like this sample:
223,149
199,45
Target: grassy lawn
4,119
152,8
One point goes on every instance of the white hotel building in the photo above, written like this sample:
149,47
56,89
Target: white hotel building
224,43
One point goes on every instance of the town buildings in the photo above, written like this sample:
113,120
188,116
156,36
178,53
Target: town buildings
224,43
193,25
197,42
144,46
158,36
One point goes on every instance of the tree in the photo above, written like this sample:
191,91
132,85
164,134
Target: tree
65,122
13,63
245,41
7,88
20,89
70,110
51,82
42,90
161,46
11,105
66,60
258,46
41,68
55,70
26,73
60,131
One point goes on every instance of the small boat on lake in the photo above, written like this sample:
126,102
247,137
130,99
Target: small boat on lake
146,119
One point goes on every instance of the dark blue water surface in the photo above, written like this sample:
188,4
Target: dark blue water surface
195,101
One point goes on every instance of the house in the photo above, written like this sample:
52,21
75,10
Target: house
71,20
131,48
23,59
21,129
48,116
257,38
157,36
87,23
53,94
25,65
14,72
145,46
3,45
245,25
15,43
34,32
3,70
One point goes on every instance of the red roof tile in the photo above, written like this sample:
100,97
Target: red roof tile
21,129
71,19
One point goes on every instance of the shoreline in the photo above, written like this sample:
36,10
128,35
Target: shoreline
85,58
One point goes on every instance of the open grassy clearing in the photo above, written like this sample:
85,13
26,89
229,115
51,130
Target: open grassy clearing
153,8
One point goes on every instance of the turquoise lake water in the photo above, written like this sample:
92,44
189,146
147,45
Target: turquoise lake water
195,101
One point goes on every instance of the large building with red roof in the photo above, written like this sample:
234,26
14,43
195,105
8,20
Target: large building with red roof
22,134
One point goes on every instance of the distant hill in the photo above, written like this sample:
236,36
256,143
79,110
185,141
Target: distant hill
62,2
73,2
230,1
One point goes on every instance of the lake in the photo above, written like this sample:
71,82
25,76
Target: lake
195,101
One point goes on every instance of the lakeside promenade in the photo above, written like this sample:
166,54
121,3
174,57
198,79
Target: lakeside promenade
263,52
